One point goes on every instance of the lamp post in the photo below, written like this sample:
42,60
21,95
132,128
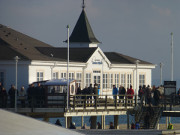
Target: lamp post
137,62
161,65
172,56
15,105
67,67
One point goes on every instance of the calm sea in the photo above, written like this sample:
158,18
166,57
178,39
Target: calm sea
108,119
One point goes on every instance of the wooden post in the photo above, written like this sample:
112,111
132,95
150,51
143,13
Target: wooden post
74,101
82,121
68,121
116,122
116,102
125,100
85,101
127,119
106,102
103,122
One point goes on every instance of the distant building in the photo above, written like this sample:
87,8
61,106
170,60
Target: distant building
88,63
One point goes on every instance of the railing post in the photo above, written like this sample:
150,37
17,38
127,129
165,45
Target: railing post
106,102
85,101
74,101
126,100
65,102
95,101
116,101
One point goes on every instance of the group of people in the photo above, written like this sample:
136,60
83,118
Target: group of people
91,92
11,93
121,92
34,95
151,95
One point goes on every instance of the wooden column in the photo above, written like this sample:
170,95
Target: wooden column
127,120
103,122
68,121
116,118
82,121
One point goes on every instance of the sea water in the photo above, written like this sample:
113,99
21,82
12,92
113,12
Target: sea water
108,119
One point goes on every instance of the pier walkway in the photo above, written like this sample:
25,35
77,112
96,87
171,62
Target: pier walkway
54,105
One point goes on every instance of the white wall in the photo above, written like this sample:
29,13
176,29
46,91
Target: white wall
10,74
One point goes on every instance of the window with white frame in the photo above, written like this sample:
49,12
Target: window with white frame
78,79
2,78
123,80
63,75
110,81
141,79
55,75
40,76
88,79
71,75
116,78
129,80
105,78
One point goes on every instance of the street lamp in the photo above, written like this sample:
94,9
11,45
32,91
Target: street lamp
161,65
171,56
67,67
16,60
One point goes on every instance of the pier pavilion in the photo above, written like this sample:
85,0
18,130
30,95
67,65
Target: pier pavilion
39,61
88,64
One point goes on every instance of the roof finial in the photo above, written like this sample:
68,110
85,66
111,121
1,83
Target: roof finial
83,5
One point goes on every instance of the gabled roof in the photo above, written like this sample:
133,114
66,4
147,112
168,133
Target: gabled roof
82,31
14,43
75,54
117,58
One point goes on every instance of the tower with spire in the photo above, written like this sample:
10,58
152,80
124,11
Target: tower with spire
82,35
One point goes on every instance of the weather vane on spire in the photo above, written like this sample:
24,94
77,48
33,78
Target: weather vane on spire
83,5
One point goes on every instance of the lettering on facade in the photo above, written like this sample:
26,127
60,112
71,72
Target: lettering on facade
96,61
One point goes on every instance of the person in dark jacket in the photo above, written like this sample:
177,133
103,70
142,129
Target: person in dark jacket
90,92
122,92
111,125
99,126
156,97
58,122
11,93
31,94
72,125
4,97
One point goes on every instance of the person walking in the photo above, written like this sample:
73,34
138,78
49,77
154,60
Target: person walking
170,126
90,92
114,93
4,97
22,96
130,94
11,93
156,97
111,126
58,122
122,93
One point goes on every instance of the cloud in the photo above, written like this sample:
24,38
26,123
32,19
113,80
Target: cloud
161,11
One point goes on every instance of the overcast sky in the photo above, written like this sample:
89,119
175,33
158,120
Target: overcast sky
138,28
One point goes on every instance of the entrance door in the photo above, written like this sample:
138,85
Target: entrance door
97,77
